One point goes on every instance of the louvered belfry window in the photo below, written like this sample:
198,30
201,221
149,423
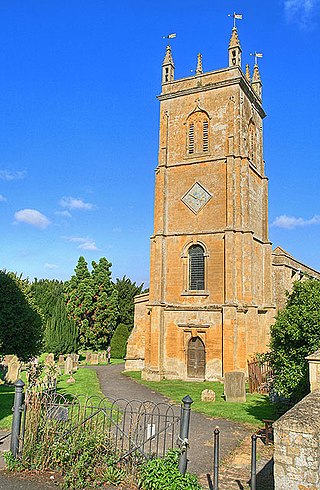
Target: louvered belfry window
191,139
205,146
196,268
198,134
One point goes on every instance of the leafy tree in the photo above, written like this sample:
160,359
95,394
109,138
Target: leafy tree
92,302
20,318
127,290
119,340
46,293
295,335
61,334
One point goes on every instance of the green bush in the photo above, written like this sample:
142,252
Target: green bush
295,335
163,474
119,341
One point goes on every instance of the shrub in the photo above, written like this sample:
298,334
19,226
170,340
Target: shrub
295,335
163,474
119,341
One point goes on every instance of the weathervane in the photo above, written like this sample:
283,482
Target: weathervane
256,56
170,36
235,16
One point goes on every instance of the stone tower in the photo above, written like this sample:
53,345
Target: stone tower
210,303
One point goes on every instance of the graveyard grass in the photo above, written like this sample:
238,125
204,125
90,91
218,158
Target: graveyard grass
87,383
256,408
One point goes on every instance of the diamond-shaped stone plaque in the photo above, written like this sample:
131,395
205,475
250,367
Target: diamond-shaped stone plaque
196,197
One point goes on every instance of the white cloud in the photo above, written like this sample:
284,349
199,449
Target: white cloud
7,175
290,222
76,203
51,266
301,11
2,198
32,217
65,214
84,243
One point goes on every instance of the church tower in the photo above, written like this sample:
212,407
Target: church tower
210,303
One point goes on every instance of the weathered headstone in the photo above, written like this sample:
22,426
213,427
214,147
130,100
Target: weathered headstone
94,358
68,365
234,387
7,359
208,396
88,357
14,367
103,356
49,360
109,354
74,357
61,360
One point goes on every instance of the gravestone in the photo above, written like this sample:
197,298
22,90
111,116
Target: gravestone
49,360
7,359
208,396
234,387
74,357
103,356
68,365
94,358
88,357
61,360
14,367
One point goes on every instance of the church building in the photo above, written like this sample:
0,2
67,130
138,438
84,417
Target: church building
215,283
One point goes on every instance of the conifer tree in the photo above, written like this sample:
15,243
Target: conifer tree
92,303
127,290
61,335
119,341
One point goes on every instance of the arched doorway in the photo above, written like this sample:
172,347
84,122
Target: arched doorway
196,360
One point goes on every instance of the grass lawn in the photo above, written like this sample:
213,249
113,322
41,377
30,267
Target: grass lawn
6,403
87,383
256,408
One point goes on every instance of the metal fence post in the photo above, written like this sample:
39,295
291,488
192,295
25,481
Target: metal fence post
184,432
253,481
216,444
16,419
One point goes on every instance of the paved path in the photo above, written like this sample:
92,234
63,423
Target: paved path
115,385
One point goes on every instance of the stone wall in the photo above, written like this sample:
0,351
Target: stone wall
297,446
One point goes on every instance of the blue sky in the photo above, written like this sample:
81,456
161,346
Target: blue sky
79,122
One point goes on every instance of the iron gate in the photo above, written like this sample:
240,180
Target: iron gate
138,430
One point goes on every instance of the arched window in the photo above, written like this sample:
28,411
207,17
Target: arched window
196,268
198,133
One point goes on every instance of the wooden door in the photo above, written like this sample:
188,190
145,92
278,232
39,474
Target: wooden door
196,366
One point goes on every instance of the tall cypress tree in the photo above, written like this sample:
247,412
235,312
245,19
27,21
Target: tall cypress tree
61,335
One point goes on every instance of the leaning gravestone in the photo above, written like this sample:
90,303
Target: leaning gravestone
234,387
68,365
94,358
14,367
208,396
